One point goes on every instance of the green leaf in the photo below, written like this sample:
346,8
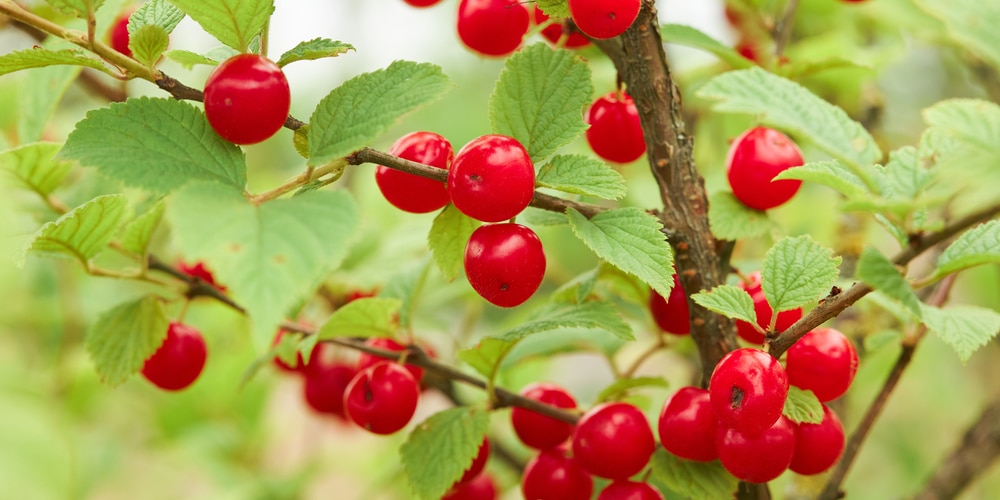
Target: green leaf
905,177
971,24
629,239
40,94
621,387
797,271
160,13
879,273
728,300
354,114
486,355
364,317
270,256
539,217
317,48
580,174
977,246
784,104
148,43
155,144
406,287
693,480
449,234
972,122
122,338
233,22
802,406
540,97
730,219
78,8
691,37
190,59
964,328
599,315
39,58
832,174
140,231
558,9
441,448
83,232
35,166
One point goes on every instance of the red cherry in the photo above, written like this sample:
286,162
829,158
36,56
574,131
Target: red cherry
492,178
492,27
604,18
764,312
615,133
198,270
422,3
325,385
119,34
247,99
365,360
748,49
671,314
748,390
477,465
481,487
551,475
687,425
555,31
613,440
757,458
754,158
536,430
753,283
818,446
823,361
504,263
630,490
412,193
382,398
178,362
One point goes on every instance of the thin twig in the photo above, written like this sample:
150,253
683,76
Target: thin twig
783,28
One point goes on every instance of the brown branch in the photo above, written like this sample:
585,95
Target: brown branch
197,287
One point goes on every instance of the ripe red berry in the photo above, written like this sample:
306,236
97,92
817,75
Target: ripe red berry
477,465
492,178
492,27
748,390
613,440
198,270
119,34
630,490
551,475
615,132
555,31
754,158
422,3
504,263
324,387
671,314
382,398
412,193
764,313
604,18
818,446
536,430
757,458
247,99
687,425
178,362
365,360
481,487
823,361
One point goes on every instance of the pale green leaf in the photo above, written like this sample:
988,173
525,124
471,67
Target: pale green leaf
486,354
578,289
122,338
977,246
784,104
148,43
540,97
364,317
78,8
832,174
40,94
539,217
629,239
728,300
140,231
964,328
879,273
190,59
580,174
270,256
905,177
730,219
40,58
354,114
441,448
447,239
970,23
317,48
406,287
160,13
797,271
693,480
802,406
233,22
155,144
621,387
557,9
35,166
83,232
971,122
691,37
598,315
